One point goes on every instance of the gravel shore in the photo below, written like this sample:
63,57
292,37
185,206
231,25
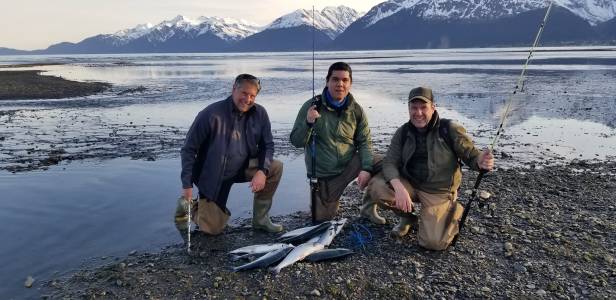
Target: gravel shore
547,232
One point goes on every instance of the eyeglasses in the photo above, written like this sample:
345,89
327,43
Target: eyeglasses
247,77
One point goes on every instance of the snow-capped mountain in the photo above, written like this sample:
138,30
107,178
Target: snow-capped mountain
593,11
180,34
295,31
225,28
331,20
478,23
393,24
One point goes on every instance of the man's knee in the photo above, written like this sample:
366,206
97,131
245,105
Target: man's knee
378,189
275,170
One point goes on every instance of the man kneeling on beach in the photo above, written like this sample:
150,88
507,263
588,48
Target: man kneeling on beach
422,165
231,141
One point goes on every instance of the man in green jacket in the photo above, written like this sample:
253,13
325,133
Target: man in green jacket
333,130
422,165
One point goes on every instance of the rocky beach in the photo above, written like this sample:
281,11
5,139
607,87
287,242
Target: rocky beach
547,232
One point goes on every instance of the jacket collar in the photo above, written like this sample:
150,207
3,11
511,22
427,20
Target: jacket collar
349,101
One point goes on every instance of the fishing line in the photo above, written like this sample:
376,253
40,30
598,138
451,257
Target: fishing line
518,87
358,239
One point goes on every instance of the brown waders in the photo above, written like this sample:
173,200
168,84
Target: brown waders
327,201
212,219
438,217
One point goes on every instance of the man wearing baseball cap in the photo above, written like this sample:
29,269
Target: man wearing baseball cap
422,165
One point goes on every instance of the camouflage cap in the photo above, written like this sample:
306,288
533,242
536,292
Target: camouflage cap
421,93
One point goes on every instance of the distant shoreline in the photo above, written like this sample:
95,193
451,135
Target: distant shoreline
30,84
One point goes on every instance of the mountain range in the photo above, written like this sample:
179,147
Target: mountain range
393,24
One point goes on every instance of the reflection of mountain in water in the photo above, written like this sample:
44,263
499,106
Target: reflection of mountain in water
581,95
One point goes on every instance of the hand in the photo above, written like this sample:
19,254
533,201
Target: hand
188,194
312,115
362,179
402,198
486,160
258,182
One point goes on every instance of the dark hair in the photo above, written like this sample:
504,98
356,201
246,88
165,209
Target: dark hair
249,78
339,66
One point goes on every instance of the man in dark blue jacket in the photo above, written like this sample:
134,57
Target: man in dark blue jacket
231,141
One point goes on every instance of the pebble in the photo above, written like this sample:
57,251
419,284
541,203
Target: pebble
486,289
541,293
133,252
218,278
519,268
315,293
609,259
485,195
29,282
508,246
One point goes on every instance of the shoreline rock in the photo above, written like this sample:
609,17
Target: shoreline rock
562,247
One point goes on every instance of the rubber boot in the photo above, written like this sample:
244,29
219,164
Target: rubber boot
368,211
260,218
403,227
181,210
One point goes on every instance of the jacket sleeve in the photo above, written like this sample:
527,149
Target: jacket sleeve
393,159
301,131
266,144
199,131
463,146
363,141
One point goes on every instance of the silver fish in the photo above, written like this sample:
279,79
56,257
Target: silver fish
314,230
327,254
328,236
259,249
297,254
265,260
297,232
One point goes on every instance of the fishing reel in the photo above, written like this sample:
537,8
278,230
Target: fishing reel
317,103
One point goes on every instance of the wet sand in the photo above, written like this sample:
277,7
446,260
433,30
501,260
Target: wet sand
547,232
30,84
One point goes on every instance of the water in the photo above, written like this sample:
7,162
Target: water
74,213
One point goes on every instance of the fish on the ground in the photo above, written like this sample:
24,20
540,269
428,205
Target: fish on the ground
329,254
298,253
259,249
306,234
297,232
328,236
265,260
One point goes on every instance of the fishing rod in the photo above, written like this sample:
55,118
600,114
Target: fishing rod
314,184
188,208
518,87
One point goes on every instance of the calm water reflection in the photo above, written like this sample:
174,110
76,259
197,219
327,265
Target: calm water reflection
55,219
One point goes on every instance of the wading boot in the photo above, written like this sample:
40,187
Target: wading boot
181,210
403,227
368,211
260,218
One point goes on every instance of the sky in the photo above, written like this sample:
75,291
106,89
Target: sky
37,24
